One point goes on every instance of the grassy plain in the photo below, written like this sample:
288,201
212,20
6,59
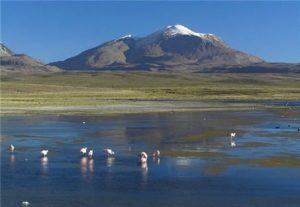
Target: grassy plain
92,89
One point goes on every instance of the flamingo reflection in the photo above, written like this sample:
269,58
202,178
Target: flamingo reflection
144,172
110,161
83,165
12,162
156,161
91,165
86,166
44,164
12,159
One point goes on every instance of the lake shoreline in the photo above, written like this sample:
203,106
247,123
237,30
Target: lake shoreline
135,107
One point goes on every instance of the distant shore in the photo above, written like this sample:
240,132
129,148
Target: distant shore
143,92
132,107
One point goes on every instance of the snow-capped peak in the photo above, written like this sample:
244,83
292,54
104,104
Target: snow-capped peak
181,30
177,30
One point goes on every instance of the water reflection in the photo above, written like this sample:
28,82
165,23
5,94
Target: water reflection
156,160
144,171
110,161
183,161
83,165
12,162
86,166
12,159
144,166
44,164
91,165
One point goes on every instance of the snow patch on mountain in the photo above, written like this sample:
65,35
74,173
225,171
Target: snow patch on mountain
181,30
126,36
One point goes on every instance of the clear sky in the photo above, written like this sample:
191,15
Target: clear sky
52,31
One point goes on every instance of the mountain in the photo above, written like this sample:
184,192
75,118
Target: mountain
170,48
9,61
4,51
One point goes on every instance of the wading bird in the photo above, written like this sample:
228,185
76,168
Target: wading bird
90,154
44,153
232,143
142,157
25,203
156,154
12,148
83,151
109,152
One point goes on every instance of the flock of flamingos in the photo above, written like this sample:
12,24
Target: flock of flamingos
142,156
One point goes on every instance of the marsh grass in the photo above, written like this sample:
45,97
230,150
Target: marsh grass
288,160
206,135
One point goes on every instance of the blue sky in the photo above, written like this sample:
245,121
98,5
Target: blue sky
52,31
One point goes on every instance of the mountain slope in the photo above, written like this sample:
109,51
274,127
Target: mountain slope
4,51
174,45
9,61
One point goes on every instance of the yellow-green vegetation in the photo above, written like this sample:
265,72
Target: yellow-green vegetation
289,160
108,88
208,134
221,161
279,161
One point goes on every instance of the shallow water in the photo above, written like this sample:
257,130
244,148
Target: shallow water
197,167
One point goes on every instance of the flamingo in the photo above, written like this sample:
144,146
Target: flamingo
109,152
44,153
142,157
83,151
90,154
12,148
232,143
25,203
156,154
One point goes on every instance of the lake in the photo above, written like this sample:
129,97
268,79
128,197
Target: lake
197,166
